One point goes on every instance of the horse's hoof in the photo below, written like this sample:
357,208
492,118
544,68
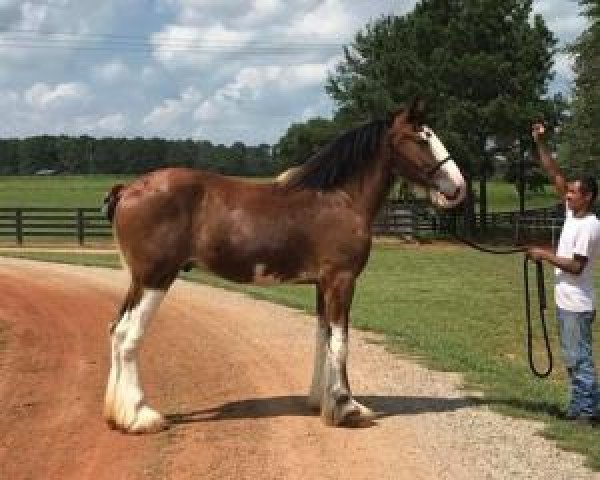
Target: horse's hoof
111,423
339,410
148,421
365,412
347,414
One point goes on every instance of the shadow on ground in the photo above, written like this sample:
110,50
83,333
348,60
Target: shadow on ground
295,405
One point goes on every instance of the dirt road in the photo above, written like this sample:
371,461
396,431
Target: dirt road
231,373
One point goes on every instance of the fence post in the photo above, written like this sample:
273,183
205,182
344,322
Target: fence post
80,226
19,225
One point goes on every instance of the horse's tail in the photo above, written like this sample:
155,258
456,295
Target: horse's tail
111,199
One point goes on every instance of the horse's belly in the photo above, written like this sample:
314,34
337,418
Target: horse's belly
258,272
264,276
261,256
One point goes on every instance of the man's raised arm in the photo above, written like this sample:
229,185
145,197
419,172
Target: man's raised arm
547,161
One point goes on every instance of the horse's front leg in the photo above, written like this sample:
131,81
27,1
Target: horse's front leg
322,340
125,407
337,405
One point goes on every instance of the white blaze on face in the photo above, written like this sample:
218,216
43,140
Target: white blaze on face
449,182
437,147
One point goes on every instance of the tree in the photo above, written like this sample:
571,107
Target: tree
9,156
302,140
484,65
85,154
584,130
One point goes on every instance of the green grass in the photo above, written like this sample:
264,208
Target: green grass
88,191
503,197
56,191
452,309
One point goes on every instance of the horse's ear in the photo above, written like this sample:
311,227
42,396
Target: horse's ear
417,111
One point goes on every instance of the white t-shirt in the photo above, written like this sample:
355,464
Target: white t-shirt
579,236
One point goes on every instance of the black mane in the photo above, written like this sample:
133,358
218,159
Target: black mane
345,157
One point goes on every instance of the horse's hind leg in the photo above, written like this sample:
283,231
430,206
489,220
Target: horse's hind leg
125,407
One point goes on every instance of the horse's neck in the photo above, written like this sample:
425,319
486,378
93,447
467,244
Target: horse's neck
369,190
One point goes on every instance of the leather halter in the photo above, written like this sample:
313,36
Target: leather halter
434,170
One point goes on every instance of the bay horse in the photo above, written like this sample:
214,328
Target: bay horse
311,225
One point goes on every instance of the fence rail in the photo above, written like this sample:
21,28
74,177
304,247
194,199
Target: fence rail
80,224
418,220
395,218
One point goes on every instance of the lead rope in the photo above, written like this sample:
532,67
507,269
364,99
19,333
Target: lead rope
541,291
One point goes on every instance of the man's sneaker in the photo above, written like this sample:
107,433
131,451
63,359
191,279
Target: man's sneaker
592,420
569,415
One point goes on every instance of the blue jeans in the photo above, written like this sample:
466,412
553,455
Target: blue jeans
575,329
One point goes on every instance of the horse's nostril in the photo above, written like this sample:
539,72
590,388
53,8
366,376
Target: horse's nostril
454,195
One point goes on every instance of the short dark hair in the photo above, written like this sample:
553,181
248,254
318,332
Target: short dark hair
589,185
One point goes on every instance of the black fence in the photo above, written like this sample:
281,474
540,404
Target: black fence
395,219
421,221
79,224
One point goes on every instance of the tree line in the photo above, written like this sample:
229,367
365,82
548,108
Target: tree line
87,155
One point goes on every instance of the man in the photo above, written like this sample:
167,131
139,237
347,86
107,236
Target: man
578,246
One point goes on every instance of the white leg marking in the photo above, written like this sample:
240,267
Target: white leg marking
316,388
113,376
338,347
336,403
125,405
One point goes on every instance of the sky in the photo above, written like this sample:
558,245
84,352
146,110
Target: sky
218,70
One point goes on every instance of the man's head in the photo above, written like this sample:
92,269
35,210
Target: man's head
581,194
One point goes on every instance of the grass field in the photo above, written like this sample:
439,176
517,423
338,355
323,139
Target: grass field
453,309
56,191
88,191
504,197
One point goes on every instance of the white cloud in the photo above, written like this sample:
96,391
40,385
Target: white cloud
33,15
183,46
112,71
207,111
171,110
563,65
326,21
113,123
8,98
194,12
258,84
109,124
563,18
219,70
42,96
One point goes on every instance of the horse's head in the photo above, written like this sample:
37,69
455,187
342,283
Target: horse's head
420,157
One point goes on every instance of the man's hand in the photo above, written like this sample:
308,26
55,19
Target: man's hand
537,254
573,265
537,131
547,161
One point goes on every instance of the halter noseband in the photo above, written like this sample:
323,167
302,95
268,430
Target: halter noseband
439,165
